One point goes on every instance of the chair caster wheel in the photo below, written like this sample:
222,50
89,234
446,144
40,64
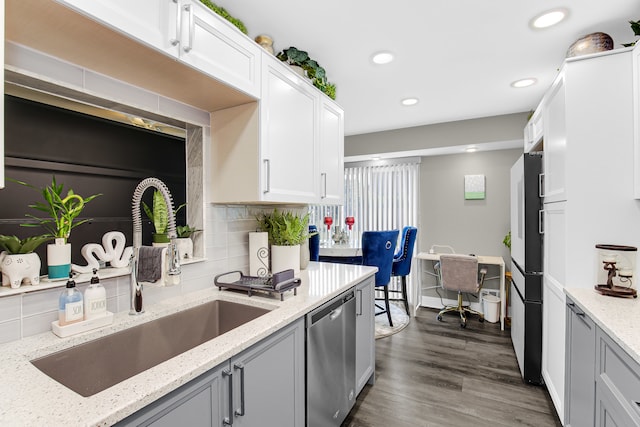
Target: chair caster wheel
481,319
463,325
439,318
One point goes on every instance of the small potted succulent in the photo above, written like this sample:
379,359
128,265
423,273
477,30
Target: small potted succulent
63,211
18,261
159,216
184,242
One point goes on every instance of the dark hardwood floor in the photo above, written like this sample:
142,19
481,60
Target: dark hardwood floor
437,374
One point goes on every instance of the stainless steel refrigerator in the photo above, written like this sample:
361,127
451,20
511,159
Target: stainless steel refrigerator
526,297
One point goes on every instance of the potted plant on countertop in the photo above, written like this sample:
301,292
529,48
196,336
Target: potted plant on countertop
63,211
318,76
18,261
287,231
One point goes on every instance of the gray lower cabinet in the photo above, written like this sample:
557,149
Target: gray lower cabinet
602,380
267,382
580,371
365,334
617,385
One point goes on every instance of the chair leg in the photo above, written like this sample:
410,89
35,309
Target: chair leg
386,303
404,294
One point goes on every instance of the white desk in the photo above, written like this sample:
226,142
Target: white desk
484,260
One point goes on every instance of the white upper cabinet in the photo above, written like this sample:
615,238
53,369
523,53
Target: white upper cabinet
286,148
533,131
636,120
187,30
555,143
213,45
289,131
331,152
143,20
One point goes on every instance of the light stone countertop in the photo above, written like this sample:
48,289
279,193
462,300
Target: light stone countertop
31,398
618,317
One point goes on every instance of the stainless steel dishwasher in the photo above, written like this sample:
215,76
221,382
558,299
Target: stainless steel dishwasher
331,361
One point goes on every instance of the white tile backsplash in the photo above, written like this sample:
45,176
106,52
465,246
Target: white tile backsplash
227,248
10,308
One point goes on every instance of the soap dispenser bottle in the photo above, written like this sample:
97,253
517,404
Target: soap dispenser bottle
70,304
95,298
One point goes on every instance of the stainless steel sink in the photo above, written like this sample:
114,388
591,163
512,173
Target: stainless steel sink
99,364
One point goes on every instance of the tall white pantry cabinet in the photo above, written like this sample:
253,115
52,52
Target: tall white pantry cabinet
588,184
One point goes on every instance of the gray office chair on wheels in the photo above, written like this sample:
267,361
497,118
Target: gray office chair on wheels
460,273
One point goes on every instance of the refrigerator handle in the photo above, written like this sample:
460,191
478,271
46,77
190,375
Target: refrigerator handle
541,221
541,185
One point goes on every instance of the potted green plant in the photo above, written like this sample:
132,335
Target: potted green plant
63,211
18,261
318,76
159,216
184,242
635,27
223,13
287,231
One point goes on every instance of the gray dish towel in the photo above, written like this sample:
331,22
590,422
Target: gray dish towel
149,264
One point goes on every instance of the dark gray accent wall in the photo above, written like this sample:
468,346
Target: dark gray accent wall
89,155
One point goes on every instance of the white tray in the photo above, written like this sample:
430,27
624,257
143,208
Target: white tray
83,326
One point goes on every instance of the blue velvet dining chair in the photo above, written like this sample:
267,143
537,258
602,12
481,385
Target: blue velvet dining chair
314,243
378,249
402,263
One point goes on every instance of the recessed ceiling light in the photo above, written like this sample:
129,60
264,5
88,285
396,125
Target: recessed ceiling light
471,149
549,18
409,101
382,58
524,82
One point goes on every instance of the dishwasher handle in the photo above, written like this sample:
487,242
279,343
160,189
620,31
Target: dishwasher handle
332,309
336,313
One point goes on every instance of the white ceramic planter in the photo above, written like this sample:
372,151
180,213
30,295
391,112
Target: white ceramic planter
18,268
59,259
285,258
185,247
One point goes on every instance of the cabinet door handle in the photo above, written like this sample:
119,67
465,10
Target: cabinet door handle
576,310
189,46
228,421
541,185
176,41
240,366
267,170
324,185
359,298
541,221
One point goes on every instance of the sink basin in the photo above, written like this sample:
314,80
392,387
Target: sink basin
99,364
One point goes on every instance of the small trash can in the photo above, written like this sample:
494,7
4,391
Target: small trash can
491,307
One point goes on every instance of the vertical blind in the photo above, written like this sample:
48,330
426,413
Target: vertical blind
379,195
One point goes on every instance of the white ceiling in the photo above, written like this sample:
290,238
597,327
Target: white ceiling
458,57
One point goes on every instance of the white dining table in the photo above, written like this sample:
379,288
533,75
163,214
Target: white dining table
340,250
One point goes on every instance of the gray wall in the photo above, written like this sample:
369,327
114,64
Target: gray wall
469,226
446,218
476,131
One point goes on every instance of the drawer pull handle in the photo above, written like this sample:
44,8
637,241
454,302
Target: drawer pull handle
228,421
